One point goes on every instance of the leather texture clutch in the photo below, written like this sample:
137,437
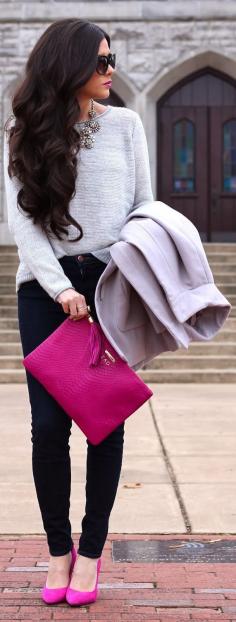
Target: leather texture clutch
79,367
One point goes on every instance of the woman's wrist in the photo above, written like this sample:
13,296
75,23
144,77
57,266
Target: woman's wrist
57,299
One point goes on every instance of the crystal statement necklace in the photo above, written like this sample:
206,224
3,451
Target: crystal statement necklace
91,126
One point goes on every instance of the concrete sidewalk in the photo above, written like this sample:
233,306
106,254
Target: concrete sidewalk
179,465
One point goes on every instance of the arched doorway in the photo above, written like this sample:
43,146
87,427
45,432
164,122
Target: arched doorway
197,152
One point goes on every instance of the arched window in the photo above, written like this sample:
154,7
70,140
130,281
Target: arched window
183,156
229,156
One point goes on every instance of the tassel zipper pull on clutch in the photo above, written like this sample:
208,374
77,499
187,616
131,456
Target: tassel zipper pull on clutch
96,342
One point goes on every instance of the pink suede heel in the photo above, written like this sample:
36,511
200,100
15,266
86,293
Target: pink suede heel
57,595
76,597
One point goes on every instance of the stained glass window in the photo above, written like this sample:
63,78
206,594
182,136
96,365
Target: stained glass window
229,156
183,151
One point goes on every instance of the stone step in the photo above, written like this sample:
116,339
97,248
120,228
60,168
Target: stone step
226,278
10,362
11,323
8,289
8,248
8,279
222,258
7,335
160,376
11,348
227,348
7,268
12,376
222,268
8,299
219,246
228,289
190,362
223,336
6,311
9,258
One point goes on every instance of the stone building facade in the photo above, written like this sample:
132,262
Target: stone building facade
175,58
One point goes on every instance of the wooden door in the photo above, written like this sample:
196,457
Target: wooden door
197,153
223,172
185,190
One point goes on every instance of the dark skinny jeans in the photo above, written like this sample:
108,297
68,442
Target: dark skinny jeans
39,315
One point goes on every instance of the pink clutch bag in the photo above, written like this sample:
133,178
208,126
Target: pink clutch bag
79,367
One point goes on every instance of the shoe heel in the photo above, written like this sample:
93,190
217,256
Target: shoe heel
78,597
51,596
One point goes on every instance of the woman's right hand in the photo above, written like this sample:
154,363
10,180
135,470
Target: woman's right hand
73,303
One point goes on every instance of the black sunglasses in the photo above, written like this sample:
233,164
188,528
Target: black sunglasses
104,61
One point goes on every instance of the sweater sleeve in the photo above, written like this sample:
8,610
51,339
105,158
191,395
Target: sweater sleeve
33,243
143,187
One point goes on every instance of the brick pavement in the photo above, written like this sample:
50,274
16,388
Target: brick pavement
129,592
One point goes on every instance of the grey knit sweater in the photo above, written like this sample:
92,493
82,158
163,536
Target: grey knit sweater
113,179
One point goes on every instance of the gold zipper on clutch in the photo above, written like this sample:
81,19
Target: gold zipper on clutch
110,356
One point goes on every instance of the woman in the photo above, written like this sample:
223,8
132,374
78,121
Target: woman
71,165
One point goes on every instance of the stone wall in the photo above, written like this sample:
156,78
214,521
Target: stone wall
156,42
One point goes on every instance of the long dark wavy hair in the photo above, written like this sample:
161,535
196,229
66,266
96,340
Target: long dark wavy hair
43,142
